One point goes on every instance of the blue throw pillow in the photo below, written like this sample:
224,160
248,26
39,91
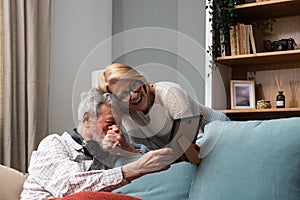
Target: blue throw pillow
251,160
173,184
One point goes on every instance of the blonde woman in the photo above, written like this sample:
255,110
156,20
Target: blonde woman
149,109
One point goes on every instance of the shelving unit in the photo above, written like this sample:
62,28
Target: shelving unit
268,9
278,62
257,114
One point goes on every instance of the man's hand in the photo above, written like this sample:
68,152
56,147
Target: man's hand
153,161
115,142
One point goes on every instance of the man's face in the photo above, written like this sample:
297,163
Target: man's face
109,116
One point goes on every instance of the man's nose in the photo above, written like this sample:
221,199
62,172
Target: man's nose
133,94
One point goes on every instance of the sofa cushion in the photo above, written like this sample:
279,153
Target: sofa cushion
173,183
11,183
251,160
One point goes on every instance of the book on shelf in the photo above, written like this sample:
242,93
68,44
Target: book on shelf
238,38
251,35
225,44
247,39
233,43
242,38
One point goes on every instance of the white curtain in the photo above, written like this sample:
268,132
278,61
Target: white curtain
24,79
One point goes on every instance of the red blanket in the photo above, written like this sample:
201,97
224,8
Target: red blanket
96,196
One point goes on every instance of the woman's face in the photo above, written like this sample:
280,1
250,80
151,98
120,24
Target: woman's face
131,93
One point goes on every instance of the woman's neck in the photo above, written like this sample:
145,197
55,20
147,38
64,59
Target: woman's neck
151,92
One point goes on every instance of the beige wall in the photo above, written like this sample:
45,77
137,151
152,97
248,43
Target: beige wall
77,27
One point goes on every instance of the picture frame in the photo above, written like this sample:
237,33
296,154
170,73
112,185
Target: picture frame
242,94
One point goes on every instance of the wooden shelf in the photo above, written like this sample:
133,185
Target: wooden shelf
261,114
261,110
261,58
268,9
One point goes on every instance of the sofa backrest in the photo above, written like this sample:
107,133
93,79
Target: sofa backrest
11,183
251,160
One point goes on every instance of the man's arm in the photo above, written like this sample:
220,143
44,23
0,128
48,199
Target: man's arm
60,170
153,161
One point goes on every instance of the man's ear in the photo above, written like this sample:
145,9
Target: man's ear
86,119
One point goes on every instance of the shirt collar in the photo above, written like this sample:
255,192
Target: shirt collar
72,142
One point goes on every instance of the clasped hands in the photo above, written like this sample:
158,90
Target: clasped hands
152,161
115,142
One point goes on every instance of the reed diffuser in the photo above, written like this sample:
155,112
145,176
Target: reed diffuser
294,87
280,99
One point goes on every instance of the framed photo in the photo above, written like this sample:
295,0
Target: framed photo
242,94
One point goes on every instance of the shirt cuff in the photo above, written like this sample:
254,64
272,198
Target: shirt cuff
142,148
114,179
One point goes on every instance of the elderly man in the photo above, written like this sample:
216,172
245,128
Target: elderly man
69,163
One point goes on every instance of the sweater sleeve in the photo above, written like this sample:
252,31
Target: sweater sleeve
180,104
175,100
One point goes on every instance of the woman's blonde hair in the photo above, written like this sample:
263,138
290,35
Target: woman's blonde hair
115,72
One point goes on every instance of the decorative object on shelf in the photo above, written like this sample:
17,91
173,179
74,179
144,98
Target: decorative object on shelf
268,45
280,98
242,94
221,17
251,76
263,104
267,26
294,84
284,44
238,2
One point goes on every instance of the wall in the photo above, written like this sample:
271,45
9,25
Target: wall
131,19
77,27
81,44
172,49
191,22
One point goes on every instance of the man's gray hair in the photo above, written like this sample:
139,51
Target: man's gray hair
92,100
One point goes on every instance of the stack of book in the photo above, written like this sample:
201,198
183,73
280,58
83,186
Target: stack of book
241,39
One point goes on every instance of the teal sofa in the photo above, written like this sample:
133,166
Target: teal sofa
251,160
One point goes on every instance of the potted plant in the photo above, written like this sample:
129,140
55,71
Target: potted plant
221,17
